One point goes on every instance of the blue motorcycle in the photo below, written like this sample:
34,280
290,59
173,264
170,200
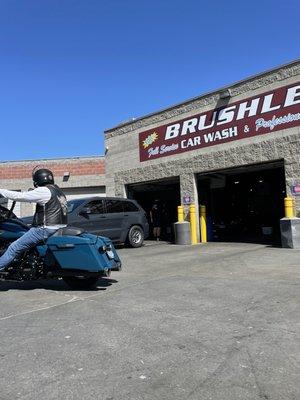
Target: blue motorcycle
77,257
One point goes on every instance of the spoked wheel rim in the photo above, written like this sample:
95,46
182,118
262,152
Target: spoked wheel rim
136,236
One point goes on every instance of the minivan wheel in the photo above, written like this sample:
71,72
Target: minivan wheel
135,236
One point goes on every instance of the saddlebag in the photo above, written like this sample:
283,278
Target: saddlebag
85,252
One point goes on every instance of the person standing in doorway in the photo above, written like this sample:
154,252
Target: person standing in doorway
155,218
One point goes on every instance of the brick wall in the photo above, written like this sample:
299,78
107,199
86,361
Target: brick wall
87,175
76,167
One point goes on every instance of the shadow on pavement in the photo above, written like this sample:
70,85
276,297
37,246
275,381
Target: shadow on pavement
57,285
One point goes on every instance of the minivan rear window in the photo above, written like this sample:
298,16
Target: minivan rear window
129,206
114,206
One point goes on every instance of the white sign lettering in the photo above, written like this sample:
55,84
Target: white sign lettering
231,113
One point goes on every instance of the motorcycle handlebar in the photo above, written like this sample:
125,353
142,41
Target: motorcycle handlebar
11,209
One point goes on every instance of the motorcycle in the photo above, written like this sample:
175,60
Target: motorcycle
77,257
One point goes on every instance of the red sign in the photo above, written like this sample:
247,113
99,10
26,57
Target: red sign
296,190
262,114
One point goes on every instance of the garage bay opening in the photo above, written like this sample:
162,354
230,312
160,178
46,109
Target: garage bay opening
244,204
166,192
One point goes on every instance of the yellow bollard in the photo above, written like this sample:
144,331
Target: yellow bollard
193,224
289,207
180,213
203,228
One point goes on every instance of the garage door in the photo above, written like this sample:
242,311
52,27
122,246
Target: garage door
80,193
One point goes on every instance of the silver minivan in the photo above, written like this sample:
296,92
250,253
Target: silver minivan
122,220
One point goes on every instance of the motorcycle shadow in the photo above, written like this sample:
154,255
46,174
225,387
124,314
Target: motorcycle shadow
56,285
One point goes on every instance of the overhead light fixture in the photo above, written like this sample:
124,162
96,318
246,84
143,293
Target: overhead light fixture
225,94
66,176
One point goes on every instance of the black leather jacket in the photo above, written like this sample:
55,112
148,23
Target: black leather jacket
54,212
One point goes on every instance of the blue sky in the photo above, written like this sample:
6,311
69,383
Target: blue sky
72,68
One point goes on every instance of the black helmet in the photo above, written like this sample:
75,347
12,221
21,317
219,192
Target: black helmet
42,177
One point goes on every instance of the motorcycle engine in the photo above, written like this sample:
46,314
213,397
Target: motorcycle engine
28,267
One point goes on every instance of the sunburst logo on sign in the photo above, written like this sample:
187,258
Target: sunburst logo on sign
150,139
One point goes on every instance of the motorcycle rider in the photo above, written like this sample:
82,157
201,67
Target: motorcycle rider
50,214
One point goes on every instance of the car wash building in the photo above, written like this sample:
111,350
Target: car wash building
234,150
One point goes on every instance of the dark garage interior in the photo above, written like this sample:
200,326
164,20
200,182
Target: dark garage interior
167,193
244,204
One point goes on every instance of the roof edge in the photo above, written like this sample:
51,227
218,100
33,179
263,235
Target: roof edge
36,160
251,77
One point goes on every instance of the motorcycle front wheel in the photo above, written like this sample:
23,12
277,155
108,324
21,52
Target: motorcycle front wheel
79,283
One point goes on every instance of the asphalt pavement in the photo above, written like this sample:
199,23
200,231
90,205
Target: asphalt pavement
215,321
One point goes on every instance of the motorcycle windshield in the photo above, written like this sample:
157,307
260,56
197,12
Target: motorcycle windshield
4,213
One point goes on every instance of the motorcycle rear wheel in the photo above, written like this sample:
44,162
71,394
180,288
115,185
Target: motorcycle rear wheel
79,283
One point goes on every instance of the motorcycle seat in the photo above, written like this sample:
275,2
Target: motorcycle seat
69,231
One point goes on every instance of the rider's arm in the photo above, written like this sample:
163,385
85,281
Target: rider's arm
39,195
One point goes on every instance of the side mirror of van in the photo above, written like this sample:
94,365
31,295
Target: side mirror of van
85,212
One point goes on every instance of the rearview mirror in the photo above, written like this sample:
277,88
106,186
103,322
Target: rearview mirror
85,212
3,200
